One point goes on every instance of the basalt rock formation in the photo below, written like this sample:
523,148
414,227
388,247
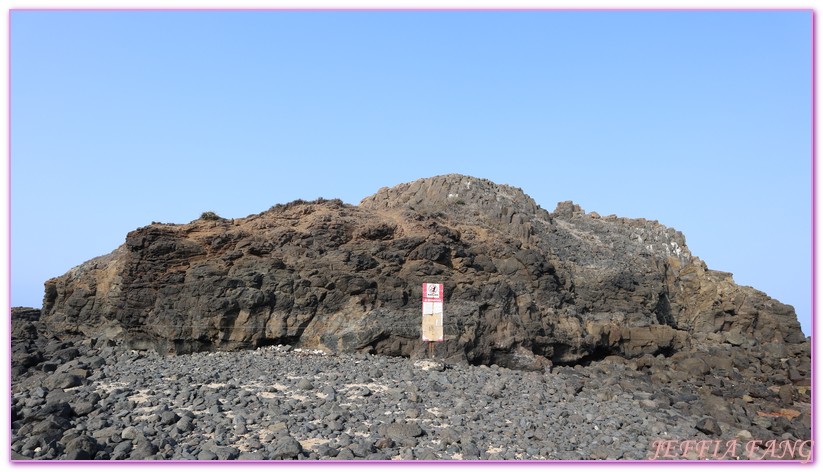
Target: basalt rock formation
525,288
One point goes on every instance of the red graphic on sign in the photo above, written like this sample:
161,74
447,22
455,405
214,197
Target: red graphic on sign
432,292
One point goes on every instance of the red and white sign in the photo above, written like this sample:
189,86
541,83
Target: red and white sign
432,293
432,329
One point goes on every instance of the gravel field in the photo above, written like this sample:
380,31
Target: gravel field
108,402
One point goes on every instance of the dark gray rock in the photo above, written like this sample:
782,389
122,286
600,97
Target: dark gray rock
82,447
325,451
286,448
131,433
251,456
225,453
56,409
64,355
21,314
95,362
361,449
168,417
185,424
305,384
62,381
144,451
795,375
693,366
404,430
384,443
345,454
377,456
709,426
425,454
122,449
83,408
206,455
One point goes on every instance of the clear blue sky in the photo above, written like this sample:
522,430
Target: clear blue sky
701,120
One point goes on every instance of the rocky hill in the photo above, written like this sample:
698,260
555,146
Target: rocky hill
525,288
591,337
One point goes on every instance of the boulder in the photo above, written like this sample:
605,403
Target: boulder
709,426
82,447
404,430
286,448
62,380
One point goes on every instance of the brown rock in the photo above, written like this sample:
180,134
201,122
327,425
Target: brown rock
786,394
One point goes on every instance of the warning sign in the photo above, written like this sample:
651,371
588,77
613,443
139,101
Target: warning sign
432,312
432,292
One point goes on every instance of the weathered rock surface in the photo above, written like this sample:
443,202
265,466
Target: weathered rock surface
525,288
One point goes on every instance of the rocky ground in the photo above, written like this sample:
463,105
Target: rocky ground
76,398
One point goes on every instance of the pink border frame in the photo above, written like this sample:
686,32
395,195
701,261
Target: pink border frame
814,230
8,202
442,462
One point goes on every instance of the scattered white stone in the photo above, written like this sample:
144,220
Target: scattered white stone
430,365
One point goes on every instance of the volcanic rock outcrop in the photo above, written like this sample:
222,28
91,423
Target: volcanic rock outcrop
525,288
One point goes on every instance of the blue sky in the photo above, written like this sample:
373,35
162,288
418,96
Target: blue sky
701,120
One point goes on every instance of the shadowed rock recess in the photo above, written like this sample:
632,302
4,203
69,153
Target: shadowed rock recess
603,335
524,287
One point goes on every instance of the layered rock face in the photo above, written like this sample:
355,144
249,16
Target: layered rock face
525,288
